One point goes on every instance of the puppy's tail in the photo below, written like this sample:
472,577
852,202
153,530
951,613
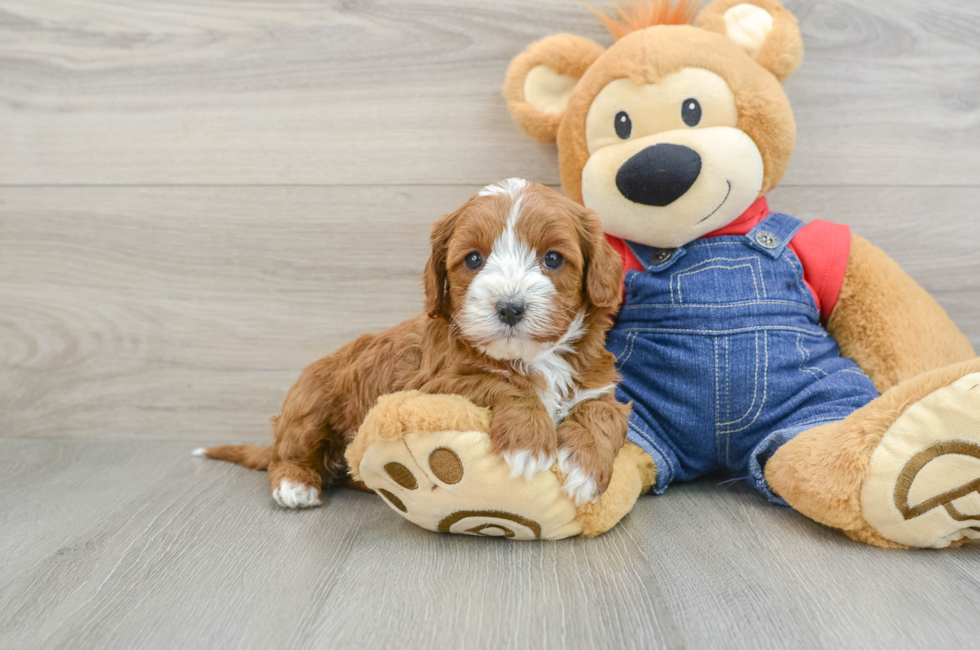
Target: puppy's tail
250,456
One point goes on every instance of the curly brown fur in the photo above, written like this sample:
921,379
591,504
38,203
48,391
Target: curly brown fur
434,353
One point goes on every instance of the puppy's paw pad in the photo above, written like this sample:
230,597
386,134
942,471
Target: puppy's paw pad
526,463
291,494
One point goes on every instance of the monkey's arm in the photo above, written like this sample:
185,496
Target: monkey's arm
890,325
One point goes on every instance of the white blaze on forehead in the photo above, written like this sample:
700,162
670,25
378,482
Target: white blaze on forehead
512,187
511,272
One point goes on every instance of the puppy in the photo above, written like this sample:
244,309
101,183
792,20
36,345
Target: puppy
521,288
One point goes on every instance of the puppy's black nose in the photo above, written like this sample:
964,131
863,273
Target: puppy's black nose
659,175
511,311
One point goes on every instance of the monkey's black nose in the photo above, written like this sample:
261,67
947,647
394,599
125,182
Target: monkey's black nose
659,175
511,311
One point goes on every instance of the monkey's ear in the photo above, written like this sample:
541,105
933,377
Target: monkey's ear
765,29
541,79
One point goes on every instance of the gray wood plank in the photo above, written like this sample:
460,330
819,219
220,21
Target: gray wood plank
124,544
187,312
407,91
139,322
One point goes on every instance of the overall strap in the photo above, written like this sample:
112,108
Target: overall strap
771,235
655,259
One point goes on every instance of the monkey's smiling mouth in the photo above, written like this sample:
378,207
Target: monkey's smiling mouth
720,204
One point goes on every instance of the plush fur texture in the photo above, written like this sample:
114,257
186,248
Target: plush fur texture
890,325
782,52
646,56
399,414
442,352
566,55
640,15
408,418
883,320
821,471
633,475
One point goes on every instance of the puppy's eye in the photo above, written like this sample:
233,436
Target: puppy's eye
473,261
624,125
553,260
691,112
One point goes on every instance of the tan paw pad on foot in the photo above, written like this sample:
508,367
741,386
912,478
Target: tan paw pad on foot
922,488
429,458
448,481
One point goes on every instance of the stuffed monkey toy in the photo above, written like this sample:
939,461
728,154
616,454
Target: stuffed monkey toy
795,354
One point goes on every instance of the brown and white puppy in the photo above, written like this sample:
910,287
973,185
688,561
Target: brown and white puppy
521,289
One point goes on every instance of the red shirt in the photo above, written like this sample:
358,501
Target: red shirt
821,246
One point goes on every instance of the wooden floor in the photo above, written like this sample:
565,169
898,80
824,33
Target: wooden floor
199,198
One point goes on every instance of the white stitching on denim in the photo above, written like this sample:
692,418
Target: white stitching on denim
755,390
697,268
805,357
714,345
653,443
784,226
761,328
629,284
728,393
765,383
808,300
801,285
681,274
728,375
740,243
743,303
630,341
702,263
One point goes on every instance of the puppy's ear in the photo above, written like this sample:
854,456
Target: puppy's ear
765,29
435,277
541,79
603,284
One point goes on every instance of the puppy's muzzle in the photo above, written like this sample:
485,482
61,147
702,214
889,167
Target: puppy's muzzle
659,175
511,311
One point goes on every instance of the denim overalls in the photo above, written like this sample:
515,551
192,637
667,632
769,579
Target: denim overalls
722,354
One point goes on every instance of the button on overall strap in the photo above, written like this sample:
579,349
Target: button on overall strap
771,235
655,259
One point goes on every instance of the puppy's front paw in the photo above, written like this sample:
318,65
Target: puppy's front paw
580,485
526,463
525,439
290,494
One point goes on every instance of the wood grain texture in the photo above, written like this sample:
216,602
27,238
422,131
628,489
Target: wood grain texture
198,198
84,565
407,91
188,312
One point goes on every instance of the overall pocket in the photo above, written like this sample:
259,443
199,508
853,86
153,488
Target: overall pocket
621,344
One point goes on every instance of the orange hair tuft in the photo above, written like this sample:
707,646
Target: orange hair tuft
640,14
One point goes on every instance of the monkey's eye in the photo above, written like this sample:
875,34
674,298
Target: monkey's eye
473,261
553,260
623,124
691,112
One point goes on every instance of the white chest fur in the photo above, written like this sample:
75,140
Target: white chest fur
559,388
561,391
